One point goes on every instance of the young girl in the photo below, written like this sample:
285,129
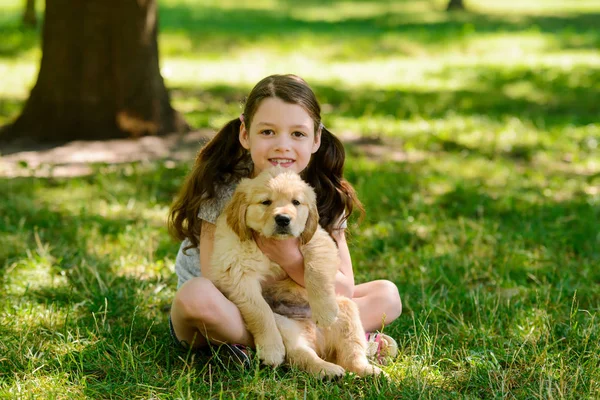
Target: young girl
280,125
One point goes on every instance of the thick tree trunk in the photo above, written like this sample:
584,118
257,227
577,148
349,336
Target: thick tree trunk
29,17
99,77
455,5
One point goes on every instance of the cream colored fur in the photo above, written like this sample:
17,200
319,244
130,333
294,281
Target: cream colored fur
334,340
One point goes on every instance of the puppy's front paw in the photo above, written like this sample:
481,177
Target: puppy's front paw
362,367
332,371
374,370
324,313
272,353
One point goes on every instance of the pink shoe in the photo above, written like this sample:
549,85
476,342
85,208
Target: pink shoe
231,355
381,348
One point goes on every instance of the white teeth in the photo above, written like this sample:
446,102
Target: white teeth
281,161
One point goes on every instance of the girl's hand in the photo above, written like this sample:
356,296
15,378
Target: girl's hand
284,252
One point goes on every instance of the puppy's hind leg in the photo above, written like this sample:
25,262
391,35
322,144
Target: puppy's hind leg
347,337
300,352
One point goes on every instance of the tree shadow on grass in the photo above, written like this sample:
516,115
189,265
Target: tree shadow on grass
231,29
545,97
108,337
33,220
520,219
215,29
550,98
97,317
481,269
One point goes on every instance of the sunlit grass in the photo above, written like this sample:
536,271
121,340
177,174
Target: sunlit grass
495,277
533,6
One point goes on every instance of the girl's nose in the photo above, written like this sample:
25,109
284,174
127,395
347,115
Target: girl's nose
283,143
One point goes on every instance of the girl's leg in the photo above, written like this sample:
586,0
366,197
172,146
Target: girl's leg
201,313
378,303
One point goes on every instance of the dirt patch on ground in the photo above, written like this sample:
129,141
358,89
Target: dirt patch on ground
77,157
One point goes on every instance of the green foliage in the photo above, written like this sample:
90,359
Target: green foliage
472,140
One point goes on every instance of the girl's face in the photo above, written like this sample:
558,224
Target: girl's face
281,134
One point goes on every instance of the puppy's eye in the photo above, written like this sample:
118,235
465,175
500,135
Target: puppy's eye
295,202
267,202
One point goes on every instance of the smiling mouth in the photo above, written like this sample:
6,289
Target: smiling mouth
284,162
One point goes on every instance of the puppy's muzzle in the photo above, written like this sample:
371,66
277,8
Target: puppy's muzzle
282,220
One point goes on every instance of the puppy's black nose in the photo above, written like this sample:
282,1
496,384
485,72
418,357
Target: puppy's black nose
282,220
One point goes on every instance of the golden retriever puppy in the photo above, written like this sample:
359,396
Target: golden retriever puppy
326,338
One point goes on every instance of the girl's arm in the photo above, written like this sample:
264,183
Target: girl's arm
284,252
207,241
287,254
344,284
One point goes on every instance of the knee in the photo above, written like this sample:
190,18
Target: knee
197,300
390,297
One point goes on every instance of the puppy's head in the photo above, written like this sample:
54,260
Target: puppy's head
277,204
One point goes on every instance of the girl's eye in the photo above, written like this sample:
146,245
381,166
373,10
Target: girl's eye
267,202
295,202
266,132
298,134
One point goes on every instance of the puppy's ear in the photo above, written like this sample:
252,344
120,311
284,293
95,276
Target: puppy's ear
311,223
235,212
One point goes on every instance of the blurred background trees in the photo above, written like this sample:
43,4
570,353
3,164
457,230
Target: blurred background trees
99,75
380,66
29,15
454,5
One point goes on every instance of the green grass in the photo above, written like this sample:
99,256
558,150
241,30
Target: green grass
475,151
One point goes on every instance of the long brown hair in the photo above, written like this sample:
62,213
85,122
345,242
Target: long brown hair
223,161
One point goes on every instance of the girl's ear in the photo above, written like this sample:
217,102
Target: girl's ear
317,142
244,139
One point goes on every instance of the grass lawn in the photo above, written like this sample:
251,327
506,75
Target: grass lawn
473,141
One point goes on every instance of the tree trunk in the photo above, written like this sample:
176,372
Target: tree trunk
29,17
99,77
456,5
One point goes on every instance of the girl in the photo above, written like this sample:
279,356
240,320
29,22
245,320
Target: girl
280,125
